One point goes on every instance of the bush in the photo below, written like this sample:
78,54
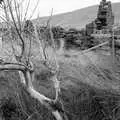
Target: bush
10,110
28,28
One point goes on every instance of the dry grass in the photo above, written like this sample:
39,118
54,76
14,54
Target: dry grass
85,93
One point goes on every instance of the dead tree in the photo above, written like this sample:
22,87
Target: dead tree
23,64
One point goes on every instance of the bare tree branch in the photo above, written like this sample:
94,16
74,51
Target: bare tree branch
24,19
37,3
26,71
17,14
15,24
11,66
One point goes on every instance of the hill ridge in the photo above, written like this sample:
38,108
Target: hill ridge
78,18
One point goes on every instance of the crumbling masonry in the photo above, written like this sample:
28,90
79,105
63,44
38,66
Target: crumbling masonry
104,21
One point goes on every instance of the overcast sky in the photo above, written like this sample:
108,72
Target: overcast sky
61,6
44,7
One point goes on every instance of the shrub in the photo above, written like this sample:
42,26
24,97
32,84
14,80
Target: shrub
10,110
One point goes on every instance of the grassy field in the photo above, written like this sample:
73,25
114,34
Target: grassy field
89,89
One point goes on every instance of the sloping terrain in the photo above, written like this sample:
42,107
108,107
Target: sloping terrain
86,92
79,18
90,90
93,68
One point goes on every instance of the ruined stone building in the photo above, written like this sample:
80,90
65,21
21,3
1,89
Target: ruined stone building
104,21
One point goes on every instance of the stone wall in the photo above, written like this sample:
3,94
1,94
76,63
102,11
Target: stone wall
104,19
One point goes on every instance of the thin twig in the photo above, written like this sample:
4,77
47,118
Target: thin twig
34,8
24,19
17,14
23,45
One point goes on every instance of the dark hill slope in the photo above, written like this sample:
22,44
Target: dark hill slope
79,18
